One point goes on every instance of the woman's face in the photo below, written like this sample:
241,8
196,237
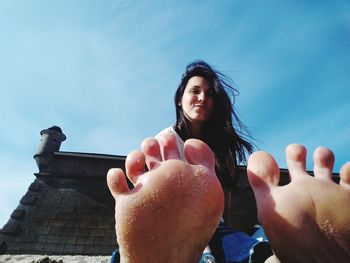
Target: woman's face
197,101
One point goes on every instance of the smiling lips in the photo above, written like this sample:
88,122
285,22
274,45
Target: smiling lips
199,105
200,108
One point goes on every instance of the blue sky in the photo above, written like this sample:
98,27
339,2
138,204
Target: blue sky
106,72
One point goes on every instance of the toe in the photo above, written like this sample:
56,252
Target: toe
151,149
323,163
168,147
263,171
296,160
135,165
199,153
345,175
116,182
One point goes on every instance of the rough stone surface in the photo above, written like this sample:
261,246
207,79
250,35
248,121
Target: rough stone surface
65,212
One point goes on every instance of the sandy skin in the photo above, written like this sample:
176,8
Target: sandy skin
173,204
307,220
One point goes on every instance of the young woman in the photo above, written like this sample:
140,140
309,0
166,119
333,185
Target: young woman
204,111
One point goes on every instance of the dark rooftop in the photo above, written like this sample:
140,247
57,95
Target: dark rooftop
67,209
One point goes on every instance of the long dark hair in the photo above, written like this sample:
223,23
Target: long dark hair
223,132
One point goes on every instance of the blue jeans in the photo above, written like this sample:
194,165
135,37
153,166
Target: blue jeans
231,246
115,256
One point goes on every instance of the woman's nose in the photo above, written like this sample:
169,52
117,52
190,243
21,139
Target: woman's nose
201,96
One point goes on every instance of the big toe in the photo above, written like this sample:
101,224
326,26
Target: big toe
199,153
263,171
345,175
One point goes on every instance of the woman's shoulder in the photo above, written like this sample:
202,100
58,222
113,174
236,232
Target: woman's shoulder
169,129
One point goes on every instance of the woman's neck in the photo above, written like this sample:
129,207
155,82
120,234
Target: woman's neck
197,130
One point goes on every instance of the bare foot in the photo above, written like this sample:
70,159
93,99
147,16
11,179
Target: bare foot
173,210
307,220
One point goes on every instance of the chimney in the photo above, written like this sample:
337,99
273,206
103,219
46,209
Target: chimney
51,140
